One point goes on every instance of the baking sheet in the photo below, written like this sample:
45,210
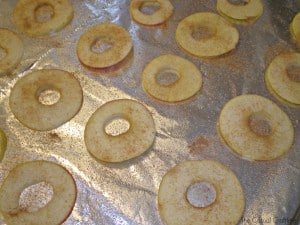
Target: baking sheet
126,193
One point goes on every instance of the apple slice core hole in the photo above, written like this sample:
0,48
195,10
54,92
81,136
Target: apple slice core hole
35,197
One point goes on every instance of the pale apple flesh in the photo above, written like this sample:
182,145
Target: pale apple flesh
135,141
295,28
281,78
269,138
13,47
27,108
175,208
222,38
110,34
189,80
3,144
56,211
164,11
24,16
241,14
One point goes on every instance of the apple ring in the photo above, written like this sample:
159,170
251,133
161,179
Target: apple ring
248,12
163,13
3,144
136,140
189,80
116,37
219,37
222,194
13,48
29,110
295,28
25,16
279,81
27,174
256,128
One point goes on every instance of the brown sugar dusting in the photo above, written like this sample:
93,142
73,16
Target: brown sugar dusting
55,136
260,124
293,72
27,24
199,145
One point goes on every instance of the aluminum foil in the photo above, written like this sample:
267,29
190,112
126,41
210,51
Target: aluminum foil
126,193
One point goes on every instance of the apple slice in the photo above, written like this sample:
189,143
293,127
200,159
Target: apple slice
246,13
256,128
3,144
206,34
24,16
26,99
283,78
13,48
295,28
122,146
113,41
200,192
159,16
188,83
56,211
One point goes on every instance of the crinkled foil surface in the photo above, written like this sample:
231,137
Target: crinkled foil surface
126,193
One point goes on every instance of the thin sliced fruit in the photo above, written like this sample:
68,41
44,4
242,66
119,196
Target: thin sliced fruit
247,12
127,145
283,77
159,16
217,36
13,47
3,144
25,18
24,175
115,40
295,28
27,107
223,205
256,128
189,80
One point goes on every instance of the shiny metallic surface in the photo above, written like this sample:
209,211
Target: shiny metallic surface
126,193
